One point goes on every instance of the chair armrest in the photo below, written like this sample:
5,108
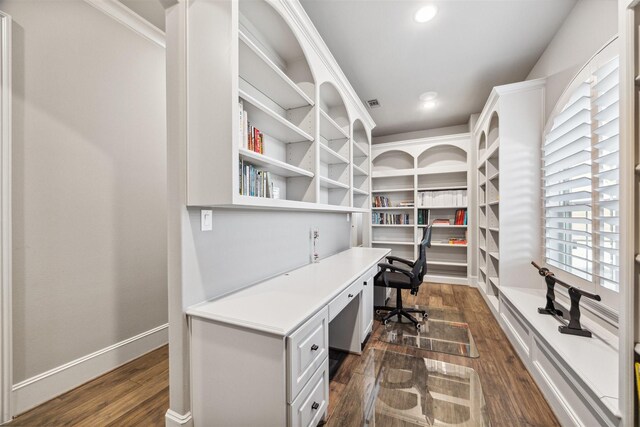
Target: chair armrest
402,260
388,267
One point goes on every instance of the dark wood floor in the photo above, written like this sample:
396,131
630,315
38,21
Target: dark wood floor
136,394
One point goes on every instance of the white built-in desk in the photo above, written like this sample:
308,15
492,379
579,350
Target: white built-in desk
259,355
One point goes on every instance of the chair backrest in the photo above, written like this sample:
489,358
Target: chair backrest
420,266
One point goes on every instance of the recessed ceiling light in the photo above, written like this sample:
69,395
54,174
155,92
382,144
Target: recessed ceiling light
430,104
428,96
426,13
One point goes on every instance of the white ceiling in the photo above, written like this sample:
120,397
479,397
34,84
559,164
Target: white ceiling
151,10
469,47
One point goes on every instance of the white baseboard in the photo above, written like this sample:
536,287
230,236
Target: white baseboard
47,385
174,419
473,281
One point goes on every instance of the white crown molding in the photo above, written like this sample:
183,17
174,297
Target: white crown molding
130,19
296,10
47,385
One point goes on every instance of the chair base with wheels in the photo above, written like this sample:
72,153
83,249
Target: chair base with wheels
400,311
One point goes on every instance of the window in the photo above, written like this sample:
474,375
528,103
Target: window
581,181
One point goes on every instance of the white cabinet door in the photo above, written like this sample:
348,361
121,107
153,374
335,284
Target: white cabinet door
366,313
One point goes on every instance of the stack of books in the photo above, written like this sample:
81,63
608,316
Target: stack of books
380,218
381,202
442,198
250,136
255,182
461,217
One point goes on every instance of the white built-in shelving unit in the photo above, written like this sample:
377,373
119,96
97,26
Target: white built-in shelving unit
629,323
403,169
316,132
507,142
265,58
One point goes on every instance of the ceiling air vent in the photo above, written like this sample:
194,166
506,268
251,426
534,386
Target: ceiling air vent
373,103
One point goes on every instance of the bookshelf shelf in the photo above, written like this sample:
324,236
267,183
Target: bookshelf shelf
358,151
359,192
329,129
442,207
260,71
450,245
392,173
358,171
331,157
493,203
394,208
272,165
331,183
494,176
495,255
381,242
403,169
452,187
447,263
272,123
444,226
394,190
393,225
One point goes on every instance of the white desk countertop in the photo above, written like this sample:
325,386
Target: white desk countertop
281,304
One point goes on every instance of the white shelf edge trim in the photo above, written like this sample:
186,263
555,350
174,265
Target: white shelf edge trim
274,162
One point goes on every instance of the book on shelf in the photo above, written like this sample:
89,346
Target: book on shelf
255,182
442,198
381,202
441,221
250,136
390,219
406,204
424,216
457,241
460,217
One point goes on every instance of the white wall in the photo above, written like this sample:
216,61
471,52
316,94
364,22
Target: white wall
589,26
247,246
449,130
89,183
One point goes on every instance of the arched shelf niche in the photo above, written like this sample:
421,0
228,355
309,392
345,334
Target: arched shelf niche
494,128
444,155
482,145
393,160
271,60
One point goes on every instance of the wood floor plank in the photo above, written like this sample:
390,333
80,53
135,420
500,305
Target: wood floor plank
136,394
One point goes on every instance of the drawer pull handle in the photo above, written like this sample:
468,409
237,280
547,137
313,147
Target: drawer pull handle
350,295
314,347
315,406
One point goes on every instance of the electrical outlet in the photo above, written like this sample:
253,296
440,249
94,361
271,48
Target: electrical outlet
206,220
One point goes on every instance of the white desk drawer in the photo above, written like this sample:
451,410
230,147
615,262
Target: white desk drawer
345,298
309,407
307,348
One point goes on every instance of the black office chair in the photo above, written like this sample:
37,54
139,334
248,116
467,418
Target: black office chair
392,276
